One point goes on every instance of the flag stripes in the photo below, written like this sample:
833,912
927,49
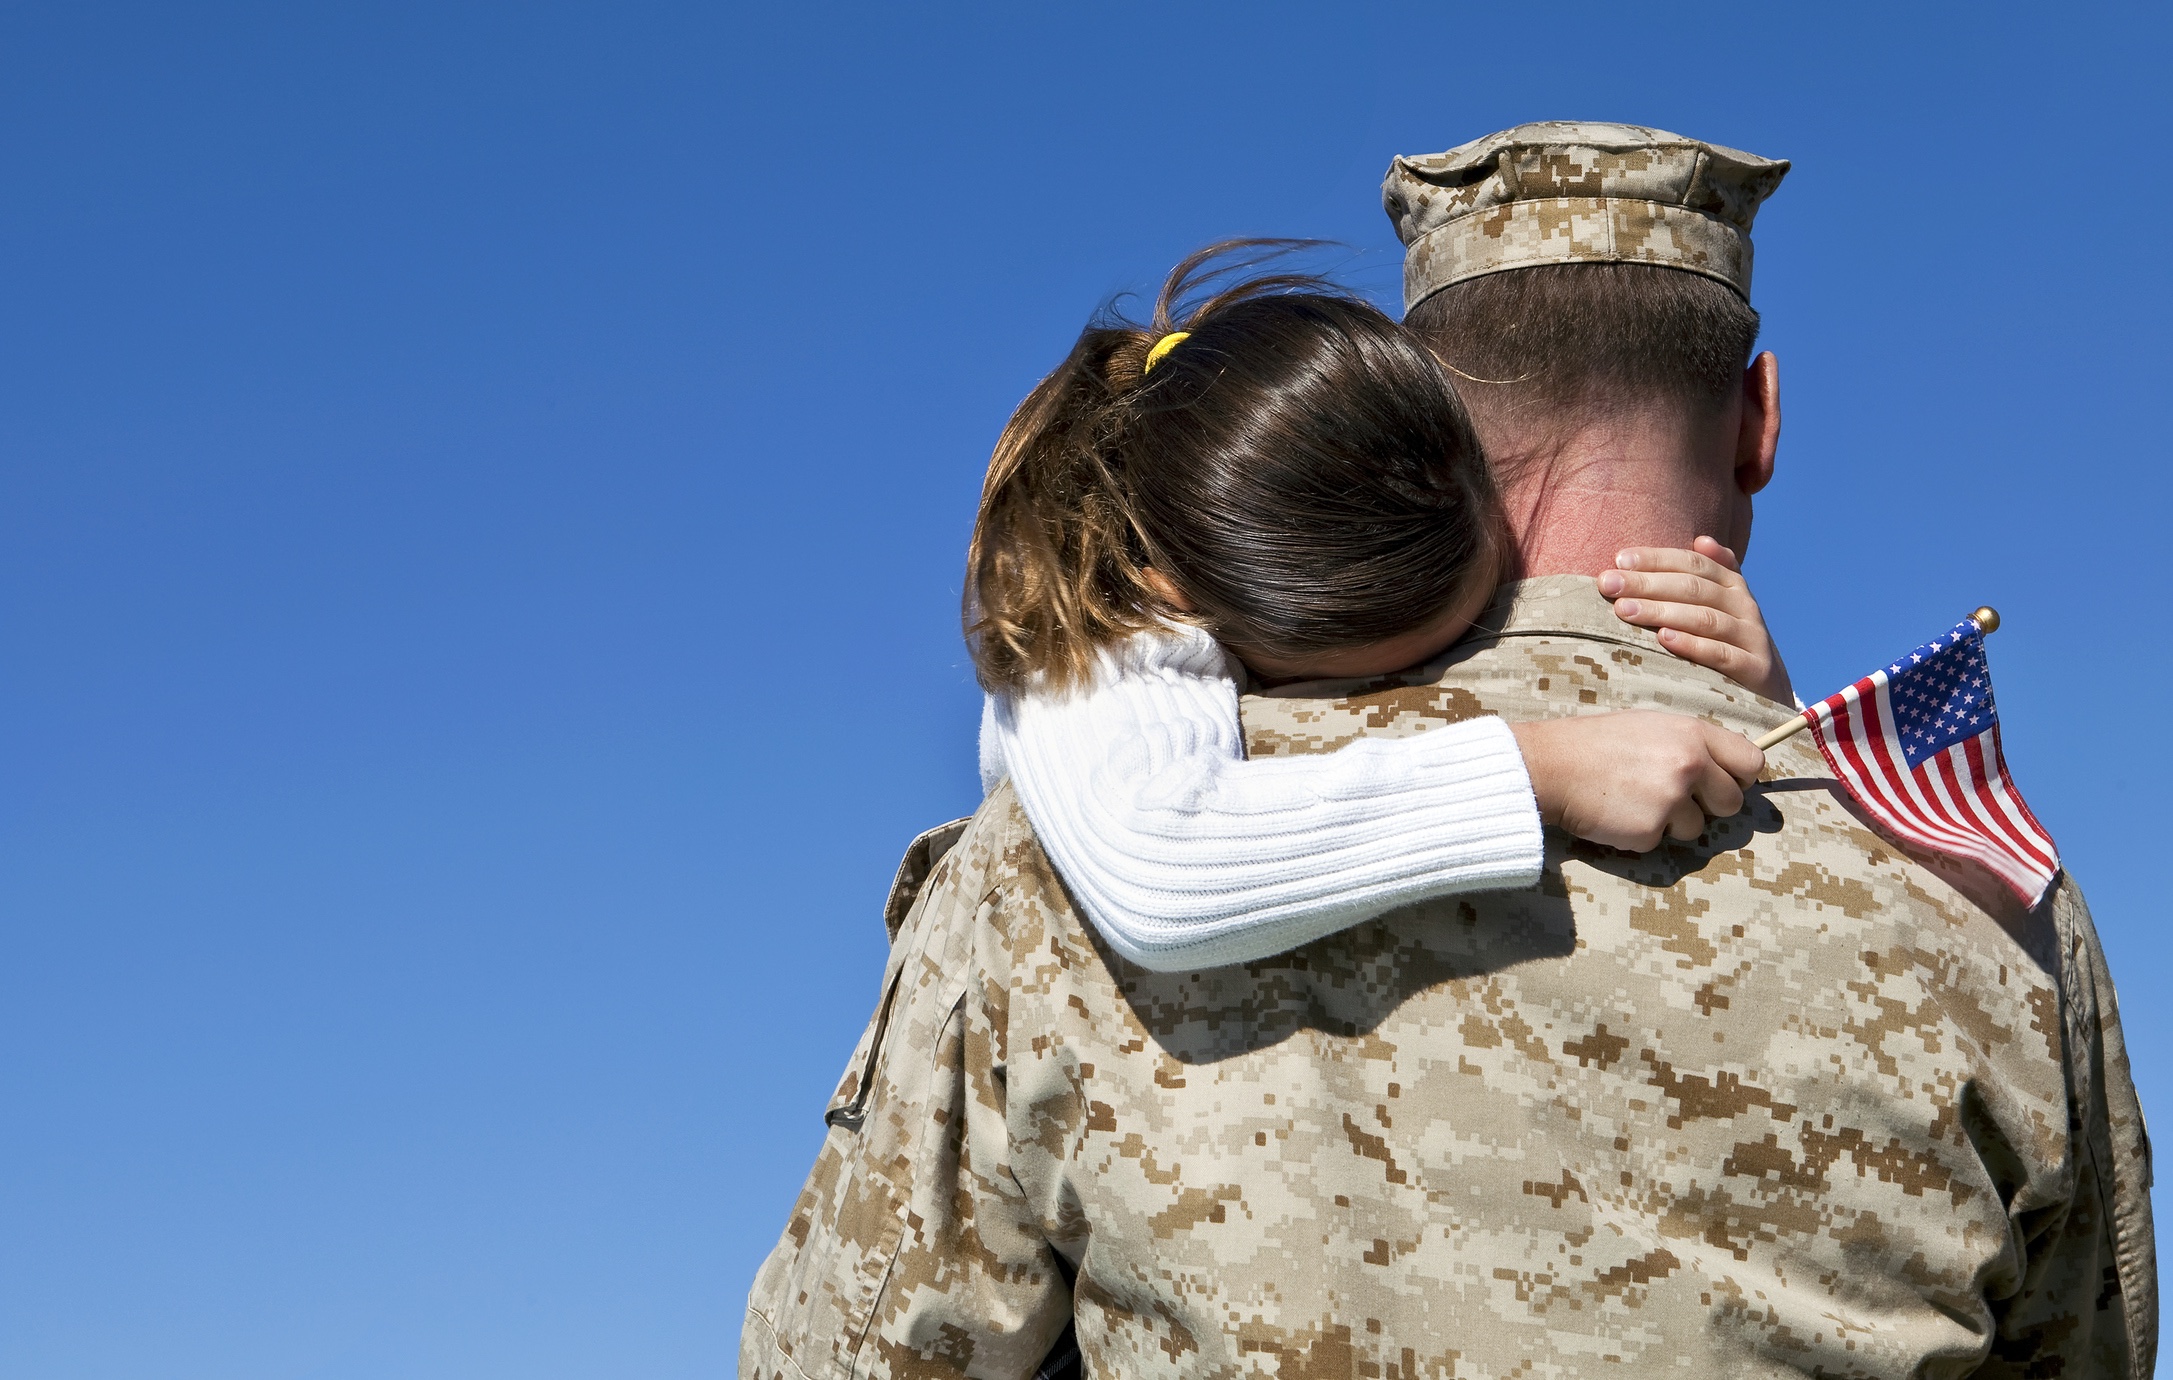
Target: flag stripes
1918,746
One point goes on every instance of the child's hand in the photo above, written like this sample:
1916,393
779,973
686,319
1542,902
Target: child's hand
1627,779
1703,610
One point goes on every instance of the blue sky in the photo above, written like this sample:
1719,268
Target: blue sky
482,492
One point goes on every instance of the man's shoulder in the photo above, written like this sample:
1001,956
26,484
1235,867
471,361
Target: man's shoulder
983,873
966,857
1797,899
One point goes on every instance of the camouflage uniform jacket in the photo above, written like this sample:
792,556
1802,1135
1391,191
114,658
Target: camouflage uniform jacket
1781,1101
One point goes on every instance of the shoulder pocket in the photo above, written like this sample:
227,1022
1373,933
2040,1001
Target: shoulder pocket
849,1104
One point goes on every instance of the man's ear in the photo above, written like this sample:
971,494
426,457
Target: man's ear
1758,436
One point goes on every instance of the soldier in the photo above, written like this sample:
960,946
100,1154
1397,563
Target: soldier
1786,1098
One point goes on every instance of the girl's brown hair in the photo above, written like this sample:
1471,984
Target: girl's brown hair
1298,468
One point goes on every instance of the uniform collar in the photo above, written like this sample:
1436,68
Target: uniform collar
1555,605
1543,606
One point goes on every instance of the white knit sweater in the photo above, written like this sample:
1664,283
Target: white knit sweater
1185,855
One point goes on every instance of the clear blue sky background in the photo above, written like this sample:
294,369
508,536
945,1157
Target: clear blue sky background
482,491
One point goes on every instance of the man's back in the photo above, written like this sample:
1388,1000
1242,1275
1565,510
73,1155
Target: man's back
1783,1099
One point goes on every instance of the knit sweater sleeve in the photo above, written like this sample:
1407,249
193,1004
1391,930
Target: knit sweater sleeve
1186,855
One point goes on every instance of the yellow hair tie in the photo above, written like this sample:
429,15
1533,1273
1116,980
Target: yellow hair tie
1162,347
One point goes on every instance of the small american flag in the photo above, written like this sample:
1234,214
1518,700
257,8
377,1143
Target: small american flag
1917,744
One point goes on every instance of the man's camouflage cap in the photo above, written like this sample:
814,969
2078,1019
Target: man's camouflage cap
1573,192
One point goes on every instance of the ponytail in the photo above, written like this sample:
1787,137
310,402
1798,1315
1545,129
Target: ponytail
1290,464
1055,570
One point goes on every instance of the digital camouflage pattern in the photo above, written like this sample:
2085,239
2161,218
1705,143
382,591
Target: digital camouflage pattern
1782,1101
1565,192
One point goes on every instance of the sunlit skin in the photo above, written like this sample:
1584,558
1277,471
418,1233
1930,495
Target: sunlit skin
1652,477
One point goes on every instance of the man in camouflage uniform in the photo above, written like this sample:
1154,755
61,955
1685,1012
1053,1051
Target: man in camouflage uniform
1788,1099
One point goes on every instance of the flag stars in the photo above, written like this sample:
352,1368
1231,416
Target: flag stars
1924,726
1940,695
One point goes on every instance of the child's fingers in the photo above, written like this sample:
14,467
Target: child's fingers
1737,755
1675,560
1718,793
1732,661
1701,620
1686,821
1681,589
1702,609
1715,552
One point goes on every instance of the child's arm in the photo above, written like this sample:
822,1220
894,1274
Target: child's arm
1184,855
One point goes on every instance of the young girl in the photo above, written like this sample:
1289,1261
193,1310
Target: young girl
1287,487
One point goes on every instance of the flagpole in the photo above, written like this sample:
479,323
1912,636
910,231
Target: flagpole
1987,621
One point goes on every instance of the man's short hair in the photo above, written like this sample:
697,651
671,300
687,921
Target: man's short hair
1536,348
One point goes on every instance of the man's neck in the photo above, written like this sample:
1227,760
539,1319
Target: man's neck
1573,506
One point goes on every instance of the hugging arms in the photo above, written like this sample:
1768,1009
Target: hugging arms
1279,484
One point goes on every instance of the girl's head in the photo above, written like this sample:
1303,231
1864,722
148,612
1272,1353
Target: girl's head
1295,476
